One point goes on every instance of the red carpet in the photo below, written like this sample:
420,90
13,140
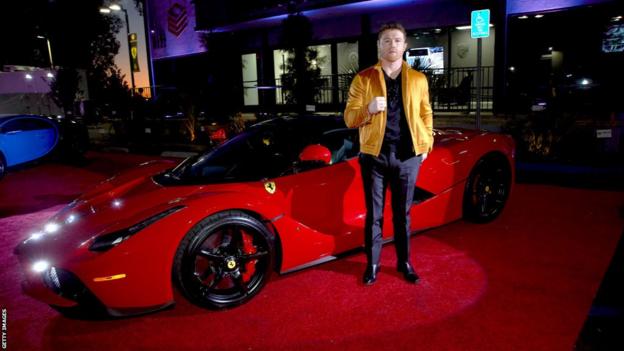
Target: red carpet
523,282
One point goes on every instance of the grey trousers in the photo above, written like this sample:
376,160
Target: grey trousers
378,173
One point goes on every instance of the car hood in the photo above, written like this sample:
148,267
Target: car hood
116,204
445,136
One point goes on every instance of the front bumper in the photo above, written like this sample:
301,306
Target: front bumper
64,291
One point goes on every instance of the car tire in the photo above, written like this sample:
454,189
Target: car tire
3,166
224,260
487,189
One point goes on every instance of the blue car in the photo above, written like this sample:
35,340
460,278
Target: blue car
25,138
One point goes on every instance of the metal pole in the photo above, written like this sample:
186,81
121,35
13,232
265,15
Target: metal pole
50,53
148,39
129,50
478,109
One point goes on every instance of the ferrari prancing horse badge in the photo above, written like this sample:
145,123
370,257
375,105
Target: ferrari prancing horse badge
270,187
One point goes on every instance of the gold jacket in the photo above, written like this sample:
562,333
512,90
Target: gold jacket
370,83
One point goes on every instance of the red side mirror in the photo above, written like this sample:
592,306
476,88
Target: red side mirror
316,153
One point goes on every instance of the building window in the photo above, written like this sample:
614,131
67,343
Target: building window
323,61
280,63
250,79
348,59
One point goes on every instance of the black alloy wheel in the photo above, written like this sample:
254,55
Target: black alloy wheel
224,260
487,190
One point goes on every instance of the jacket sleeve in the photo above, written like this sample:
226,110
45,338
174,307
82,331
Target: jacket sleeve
356,112
426,113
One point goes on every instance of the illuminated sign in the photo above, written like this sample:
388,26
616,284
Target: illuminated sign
480,23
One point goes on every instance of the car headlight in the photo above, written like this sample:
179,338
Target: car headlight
108,241
51,227
40,266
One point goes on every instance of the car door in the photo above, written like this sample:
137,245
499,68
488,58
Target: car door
15,143
27,138
328,199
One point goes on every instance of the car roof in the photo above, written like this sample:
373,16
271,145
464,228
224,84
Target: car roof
312,124
4,116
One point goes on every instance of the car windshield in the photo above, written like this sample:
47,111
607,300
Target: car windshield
262,152
267,150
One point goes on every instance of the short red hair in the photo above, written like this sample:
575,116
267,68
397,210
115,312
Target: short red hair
389,26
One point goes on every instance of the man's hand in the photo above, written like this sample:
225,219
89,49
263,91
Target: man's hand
377,105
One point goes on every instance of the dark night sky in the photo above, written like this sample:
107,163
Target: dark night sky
70,25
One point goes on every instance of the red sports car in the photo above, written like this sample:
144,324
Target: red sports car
283,195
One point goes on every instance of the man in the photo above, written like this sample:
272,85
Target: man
389,103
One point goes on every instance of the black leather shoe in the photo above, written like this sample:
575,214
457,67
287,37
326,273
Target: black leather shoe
370,275
408,272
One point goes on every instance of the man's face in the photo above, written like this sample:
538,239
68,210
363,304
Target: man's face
392,45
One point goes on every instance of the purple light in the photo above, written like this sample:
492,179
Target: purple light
357,8
523,6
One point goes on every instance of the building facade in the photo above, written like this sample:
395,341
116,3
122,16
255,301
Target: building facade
235,51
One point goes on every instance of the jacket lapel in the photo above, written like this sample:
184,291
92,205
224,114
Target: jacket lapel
381,81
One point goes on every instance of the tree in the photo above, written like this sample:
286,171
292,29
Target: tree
106,83
302,82
80,37
224,71
64,88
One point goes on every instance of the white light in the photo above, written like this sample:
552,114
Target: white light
512,68
105,10
585,81
71,218
116,203
616,18
115,7
539,16
117,241
437,30
40,37
51,228
523,17
40,266
569,75
28,76
50,75
35,236
550,48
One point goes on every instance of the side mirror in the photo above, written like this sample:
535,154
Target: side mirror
316,153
